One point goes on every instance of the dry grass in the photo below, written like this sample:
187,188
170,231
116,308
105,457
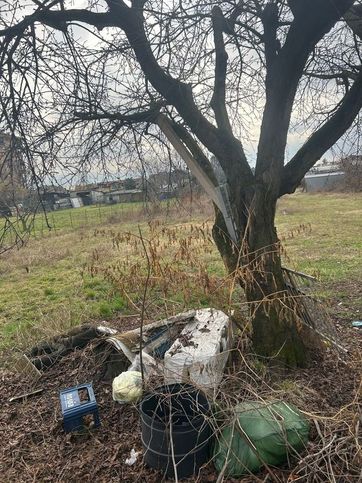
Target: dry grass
70,276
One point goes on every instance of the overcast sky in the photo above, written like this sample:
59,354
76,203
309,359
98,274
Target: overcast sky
252,119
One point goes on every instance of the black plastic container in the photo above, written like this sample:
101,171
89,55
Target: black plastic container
177,413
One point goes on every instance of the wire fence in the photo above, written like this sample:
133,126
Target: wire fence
84,217
16,230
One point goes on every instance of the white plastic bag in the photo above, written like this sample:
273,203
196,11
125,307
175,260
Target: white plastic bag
133,458
150,366
127,387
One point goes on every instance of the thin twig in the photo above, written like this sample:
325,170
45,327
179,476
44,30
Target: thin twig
143,303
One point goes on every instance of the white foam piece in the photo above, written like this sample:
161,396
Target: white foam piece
200,353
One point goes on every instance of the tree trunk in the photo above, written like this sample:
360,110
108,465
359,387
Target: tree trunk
273,313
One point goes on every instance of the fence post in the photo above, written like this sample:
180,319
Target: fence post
42,225
53,223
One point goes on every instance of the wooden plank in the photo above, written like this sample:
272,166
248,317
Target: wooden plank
217,194
26,395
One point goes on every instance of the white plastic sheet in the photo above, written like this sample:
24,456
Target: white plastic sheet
200,353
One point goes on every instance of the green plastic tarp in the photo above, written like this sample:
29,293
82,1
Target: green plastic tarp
260,434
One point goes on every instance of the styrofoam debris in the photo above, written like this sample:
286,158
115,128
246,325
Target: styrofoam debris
133,457
200,353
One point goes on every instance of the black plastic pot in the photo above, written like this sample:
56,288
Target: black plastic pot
176,413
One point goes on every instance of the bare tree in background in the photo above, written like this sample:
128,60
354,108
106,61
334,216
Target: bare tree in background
96,82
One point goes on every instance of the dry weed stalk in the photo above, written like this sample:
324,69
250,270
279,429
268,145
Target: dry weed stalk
179,273
335,455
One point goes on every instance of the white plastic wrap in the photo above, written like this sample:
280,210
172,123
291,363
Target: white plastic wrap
150,366
200,353
127,387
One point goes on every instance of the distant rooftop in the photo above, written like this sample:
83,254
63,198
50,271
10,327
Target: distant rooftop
123,192
324,174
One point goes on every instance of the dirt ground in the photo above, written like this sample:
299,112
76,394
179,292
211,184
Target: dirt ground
36,448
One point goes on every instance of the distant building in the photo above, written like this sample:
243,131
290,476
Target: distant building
168,184
314,182
105,186
169,180
63,203
88,196
12,174
123,196
50,197
76,202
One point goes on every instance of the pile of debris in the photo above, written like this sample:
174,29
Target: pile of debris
192,347
189,347
174,364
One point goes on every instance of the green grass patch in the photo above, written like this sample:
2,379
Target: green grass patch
82,270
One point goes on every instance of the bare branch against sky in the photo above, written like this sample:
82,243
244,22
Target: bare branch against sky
83,70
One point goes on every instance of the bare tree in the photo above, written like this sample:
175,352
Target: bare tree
82,83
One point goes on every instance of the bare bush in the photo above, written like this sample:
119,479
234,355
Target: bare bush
352,168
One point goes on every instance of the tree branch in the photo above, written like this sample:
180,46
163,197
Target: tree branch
57,19
218,99
344,75
312,20
124,119
270,24
353,18
323,139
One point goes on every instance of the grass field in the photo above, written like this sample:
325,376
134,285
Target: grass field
91,265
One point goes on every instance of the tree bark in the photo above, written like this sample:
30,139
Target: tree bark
275,332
